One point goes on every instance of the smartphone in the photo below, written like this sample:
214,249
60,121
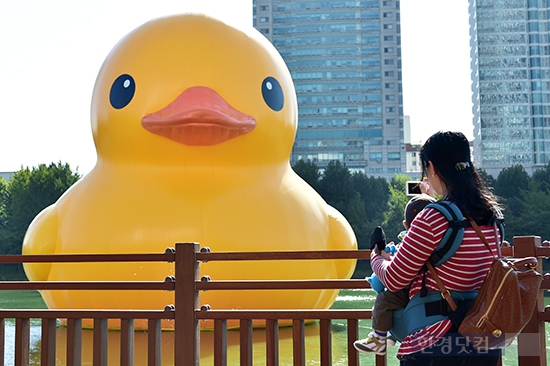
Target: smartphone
413,187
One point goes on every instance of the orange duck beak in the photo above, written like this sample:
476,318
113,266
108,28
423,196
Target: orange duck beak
199,117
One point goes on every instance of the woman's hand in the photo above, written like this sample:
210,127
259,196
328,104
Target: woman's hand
383,253
374,251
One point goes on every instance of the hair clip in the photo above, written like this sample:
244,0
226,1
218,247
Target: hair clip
462,165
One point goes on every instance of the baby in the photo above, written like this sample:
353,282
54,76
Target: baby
386,301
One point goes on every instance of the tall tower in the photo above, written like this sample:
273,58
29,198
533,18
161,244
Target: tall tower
345,60
510,83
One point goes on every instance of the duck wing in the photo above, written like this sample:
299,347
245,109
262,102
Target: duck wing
342,237
41,238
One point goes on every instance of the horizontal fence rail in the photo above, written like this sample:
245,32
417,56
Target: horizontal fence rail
279,285
205,255
283,314
168,256
167,285
168,313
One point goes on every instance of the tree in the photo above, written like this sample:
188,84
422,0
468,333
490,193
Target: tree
5,234
374,194
309,172
358,220
29,192
542,176
534,218
509,180
509,185
335,186
393,223
487,178
3,201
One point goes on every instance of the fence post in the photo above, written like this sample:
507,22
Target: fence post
532,340
187,329
22,341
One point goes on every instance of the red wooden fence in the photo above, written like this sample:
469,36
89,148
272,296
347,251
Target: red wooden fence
187,312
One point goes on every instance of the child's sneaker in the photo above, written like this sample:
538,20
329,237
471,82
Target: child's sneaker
372,344
391,341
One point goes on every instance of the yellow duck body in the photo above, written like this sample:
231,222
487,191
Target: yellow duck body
193,122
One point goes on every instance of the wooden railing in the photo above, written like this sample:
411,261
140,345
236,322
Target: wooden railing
271,317
187,311
75,317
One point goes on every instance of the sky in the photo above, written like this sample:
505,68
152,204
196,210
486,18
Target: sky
52,50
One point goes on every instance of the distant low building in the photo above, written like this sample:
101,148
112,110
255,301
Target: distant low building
6,175
414,166
412,151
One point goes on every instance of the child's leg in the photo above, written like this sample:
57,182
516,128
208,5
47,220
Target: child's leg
382,312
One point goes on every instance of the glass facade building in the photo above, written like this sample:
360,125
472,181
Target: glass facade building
345,61
510,83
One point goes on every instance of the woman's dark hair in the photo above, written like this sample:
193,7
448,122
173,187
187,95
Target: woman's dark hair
449,153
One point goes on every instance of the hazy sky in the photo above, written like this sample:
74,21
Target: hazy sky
52,51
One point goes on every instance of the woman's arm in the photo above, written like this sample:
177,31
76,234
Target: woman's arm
424,235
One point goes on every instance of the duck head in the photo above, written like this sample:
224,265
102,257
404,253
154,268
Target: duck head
190,89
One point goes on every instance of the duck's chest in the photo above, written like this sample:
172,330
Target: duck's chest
239,219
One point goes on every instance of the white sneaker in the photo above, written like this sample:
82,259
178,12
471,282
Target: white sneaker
391,341
372,344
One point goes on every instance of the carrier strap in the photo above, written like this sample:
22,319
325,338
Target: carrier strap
453,235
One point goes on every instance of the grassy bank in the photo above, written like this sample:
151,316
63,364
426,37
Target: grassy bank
21,299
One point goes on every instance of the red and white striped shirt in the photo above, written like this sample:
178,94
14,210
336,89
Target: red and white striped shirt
464,271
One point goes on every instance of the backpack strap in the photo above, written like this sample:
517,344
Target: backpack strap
452,238
446,294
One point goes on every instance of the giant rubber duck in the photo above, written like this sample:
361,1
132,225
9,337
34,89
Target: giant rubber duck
193,122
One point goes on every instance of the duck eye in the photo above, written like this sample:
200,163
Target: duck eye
273,93
122,91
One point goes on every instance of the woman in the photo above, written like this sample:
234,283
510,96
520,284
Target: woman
448,170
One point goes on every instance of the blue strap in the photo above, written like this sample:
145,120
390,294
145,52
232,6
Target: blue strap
453,236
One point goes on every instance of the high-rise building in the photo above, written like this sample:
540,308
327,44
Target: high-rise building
345,60
510,83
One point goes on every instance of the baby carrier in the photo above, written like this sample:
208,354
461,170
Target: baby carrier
428,307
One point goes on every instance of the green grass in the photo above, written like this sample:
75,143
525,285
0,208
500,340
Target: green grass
21,299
